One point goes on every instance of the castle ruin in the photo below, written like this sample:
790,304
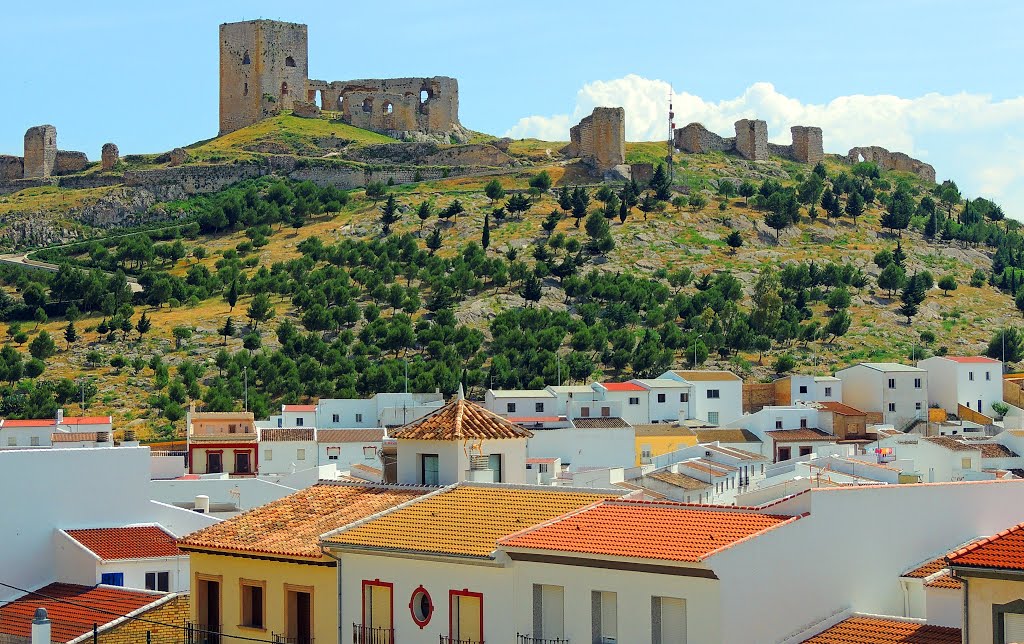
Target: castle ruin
40,151
897,161
599,140
264,70
752,139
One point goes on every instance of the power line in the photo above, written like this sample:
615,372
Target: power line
121,615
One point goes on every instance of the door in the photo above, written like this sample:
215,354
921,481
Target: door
242,463
979,407
214,463
548,606
430,469
669,620
377,605
1013,628
303,630
467,617
494,464
209,612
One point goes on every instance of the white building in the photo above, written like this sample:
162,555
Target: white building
380,410
586,443
348,447
932,459
808,388
39,432
522,403
717,396
897,391
142,557
284,451
974,382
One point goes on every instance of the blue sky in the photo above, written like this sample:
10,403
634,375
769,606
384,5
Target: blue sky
939,79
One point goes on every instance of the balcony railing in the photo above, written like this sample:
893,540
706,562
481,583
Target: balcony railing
202,633
529,639
372,634
282,639
447,639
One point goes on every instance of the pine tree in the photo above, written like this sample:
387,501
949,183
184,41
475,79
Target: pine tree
855,206
70,334
143,325
485,239
734,240
232,295
423,212
389,215
931,227
227,330
434,240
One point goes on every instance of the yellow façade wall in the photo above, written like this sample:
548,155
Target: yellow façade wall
663,444
982,594
276,575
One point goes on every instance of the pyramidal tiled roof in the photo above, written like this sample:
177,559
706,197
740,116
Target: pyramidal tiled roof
461,419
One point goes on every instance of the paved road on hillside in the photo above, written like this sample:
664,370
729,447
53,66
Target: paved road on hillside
22,259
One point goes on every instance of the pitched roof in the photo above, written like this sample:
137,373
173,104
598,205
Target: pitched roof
522,393
840,408
136,542
950,443
926,569
726,436
944,580
291,434
460,419
600,422
800,435
666,531
1004,550
72,609
971,359
662,429
879,630
887,366
372,435
661,383
465,520
365,472
292,526
994,450
679,480
741,454
708,467
73,437
535,419
621,386
298,408
52,422
699,376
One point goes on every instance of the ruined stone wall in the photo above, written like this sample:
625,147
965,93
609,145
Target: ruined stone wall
393,105
68,162
110,155
752,139
264,65
807,144
697,139
599,140
887,160
11,167
40,151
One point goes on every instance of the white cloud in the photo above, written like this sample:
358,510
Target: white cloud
971,138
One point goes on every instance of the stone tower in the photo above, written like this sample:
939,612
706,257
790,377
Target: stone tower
752,139
40,151
264,66
807,146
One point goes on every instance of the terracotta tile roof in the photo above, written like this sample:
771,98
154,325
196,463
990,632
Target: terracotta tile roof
298,408
994,450
52,422
708,467
666,531
366,472
679,480
533,461
91,605
944,580
137,542
292,526
971,359
726,436
534,419
741,454
73,437
460,419
1004,550
877,630
800,435
622,386
840,408
373,435
645,493
465,520
950,443
926,569
662,429
699,376
292,434
600,422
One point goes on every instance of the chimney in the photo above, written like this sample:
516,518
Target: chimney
60,416
41,627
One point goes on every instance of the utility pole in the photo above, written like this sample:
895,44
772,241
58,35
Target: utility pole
245,375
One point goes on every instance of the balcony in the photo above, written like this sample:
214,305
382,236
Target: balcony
282,639
372,634
202,633
446,639
529,639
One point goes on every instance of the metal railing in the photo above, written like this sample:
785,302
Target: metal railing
529,639
283,639
362,634
202,633
447,639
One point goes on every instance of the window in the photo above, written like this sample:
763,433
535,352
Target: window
289,62
245,58
542,468
634,401
232,429
538,407
421,606
917,382
333,453
466,617
367,104
828,392
917,406
12,441
892,406
604,616
112,578
803,423
803,389
378,609
714,393
388,107
359,418
335,418
712,417
970,376
785,453
207,598
300,454
429,469
280,422
892,383
548,612
805,451
778,423
494,464
584,412
606,412
1008,622
965,463
668,620
214,462
33,441
684,397
510,407
252,603
268,455
300,421
988,375
661,398
645,451
158,581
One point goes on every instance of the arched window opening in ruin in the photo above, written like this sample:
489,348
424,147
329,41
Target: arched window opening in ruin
367,104
860,158
341,103
245,58
388,107
284,89
424,95
318,98
289,62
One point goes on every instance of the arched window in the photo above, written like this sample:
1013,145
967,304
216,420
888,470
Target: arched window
245,58
289,62
284,89
388,107
341,102
367,104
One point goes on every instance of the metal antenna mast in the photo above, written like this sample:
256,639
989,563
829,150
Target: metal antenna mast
671,135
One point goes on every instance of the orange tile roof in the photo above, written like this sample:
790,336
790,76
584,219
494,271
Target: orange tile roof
840,408
877,630
299,408
358,469
711,376
679,480
52,422
465,520
292,526
349,435
621,386
73,437
994,450
136,542
600,422
460,419
971,359
726,436
927,568
945,580
72,609
667,531
799,435
1004,550
950,443
662,429
290,434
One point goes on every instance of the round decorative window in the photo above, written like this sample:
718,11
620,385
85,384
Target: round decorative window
421,606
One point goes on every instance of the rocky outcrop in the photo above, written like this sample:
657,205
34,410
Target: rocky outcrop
306,110
178,156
